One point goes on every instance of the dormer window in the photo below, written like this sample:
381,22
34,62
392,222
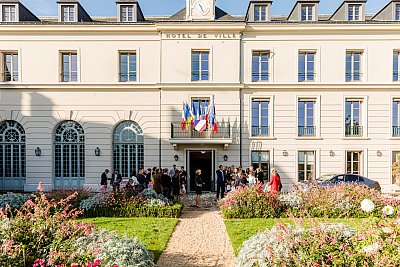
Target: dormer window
307,12
9,13
354,12
397,12
126,13
68,13
260,13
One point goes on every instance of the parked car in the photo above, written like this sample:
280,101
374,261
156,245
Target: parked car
333,179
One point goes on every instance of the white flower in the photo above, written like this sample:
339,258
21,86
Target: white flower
388,210
371,249
387,230
367,205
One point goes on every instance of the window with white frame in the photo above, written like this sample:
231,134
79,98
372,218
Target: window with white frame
395,164
396,118
306,117
396,66
354,162
69,67
128,65
260,66
306,165
200,107
67,13
10,67
260,13
261,159
353,66
354,12
200,65
353,126
9,13
126,13
307,12
397,12
260,117
306,66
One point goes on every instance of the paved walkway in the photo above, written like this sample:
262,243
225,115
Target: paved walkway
199,240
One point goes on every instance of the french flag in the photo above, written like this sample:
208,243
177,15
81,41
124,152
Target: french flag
200,125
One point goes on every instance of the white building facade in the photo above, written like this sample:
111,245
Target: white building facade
306,94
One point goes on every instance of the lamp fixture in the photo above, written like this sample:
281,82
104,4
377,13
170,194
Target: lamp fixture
176,157
97,152
225,158
285,153
379,153
331,153
38,152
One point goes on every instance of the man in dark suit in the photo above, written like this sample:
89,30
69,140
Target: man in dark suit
116,180
221,182
104,180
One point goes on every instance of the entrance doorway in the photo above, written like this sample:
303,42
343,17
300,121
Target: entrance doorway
203,160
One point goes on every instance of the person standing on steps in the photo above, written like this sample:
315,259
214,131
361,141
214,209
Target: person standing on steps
166,183
116,180
104,181
199,187
221,182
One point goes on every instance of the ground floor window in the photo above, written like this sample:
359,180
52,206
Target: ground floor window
261,159
69,155
306,165
128,148
395,159
12,156
354,162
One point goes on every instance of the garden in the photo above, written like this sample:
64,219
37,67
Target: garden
345,225
68,228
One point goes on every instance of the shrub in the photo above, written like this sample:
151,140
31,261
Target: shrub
59,194
13,200
250,202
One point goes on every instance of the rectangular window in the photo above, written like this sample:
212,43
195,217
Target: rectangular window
307,12
200,65
353,66
10,67
354,12
260,13
69,67
260,117
260,66
397,12
306,121
127,66
306,66
126,13
68,13
200,107
9,13
396,66
396,118
353,126
261,159
353,162
306,165
395,159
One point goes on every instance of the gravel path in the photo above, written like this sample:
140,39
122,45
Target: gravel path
199,240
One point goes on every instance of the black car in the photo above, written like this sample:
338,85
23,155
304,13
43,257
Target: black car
333,179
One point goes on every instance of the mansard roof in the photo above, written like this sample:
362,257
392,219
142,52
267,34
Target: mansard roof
220,15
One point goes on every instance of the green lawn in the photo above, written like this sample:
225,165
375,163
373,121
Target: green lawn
241,230
153,232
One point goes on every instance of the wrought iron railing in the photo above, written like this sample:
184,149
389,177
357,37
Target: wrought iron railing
354,131
260,76
396,76
69,76
260,131
188,131
306,131
353,76
127,77
307,76
396,131
9,76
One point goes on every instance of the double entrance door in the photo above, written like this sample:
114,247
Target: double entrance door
205,161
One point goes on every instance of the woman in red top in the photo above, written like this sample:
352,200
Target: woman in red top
273,185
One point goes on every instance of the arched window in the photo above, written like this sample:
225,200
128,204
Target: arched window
12,156
69,155
128,147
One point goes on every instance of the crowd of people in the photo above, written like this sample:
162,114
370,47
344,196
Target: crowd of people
173,183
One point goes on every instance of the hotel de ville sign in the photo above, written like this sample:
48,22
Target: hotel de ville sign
202,36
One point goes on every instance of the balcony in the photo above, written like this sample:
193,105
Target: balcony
354,131
308,131
396,131
260,131
187,136
307,77
9,77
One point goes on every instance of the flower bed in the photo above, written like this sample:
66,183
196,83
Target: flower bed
43,233
319,244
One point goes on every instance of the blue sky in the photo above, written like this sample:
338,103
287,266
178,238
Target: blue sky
169,7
